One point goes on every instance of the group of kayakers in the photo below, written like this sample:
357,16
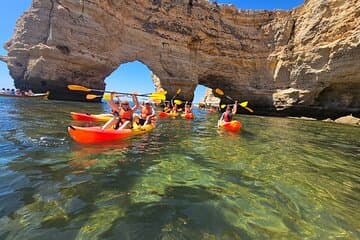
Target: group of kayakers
125,120
17,92
124,114
171,107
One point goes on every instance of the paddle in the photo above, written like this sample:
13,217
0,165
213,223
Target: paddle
153,96
178,102
221,93
242,104
157,95
177,93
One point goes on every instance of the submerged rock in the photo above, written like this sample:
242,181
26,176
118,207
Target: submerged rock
348,120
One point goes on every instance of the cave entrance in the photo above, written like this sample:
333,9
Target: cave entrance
199,94
131,77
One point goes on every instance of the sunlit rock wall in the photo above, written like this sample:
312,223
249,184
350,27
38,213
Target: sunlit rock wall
303,59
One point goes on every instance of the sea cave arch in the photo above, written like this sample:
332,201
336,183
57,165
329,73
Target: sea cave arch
250,55
133,76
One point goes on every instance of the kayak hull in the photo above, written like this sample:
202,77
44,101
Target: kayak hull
187,115
97,135
43,96
233,126
91,117
164,114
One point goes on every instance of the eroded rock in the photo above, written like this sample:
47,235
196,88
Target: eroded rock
277,60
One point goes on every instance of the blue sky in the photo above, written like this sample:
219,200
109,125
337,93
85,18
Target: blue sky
128,77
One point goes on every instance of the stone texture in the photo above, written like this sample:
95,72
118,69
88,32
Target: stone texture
348,120
210,99
280,61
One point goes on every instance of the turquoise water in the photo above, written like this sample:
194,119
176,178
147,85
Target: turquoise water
277,179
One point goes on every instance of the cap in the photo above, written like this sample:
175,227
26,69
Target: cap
147,102
125,102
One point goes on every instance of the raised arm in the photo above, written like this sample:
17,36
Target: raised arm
153,113
234,110
112,103
136,102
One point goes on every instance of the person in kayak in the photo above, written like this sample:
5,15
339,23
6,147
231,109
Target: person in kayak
123,113
227,116
174,109
146,113
167,107
188,108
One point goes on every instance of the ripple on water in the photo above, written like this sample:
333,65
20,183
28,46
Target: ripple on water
275,179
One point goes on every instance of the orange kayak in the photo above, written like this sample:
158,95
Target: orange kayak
232,126
91,117
97,135
187,115
164,114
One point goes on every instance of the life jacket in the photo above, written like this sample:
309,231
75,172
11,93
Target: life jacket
187,110
228,117
125,115
174,110
145,112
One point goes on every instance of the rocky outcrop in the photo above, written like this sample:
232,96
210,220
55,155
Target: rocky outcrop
280,61
209,99
351,120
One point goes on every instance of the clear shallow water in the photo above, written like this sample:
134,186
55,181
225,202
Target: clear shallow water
277,179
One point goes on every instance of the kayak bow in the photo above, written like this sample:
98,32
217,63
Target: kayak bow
91,117
97,135
232,126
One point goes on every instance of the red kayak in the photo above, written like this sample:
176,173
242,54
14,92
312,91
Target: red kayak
97,135
187,115
232,126
91,117
164,114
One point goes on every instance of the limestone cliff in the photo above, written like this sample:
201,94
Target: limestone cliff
280,61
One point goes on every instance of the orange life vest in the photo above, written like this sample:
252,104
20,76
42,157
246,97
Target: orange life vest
145,112
125,115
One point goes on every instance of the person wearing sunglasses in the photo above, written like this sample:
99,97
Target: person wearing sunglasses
123,113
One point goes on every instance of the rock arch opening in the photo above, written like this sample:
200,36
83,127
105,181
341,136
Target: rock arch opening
131,77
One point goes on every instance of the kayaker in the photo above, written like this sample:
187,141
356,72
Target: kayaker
188,108
174,108
146,113
167,107
123,113
227,116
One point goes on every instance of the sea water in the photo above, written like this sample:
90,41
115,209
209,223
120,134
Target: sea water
278,178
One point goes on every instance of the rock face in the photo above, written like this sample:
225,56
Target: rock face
210,99
280,61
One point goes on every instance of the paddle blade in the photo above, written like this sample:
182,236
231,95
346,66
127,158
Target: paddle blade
243,104
219,91
107,96
92,96
157,97
178,102
249,109
178,91
223,105
78,88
